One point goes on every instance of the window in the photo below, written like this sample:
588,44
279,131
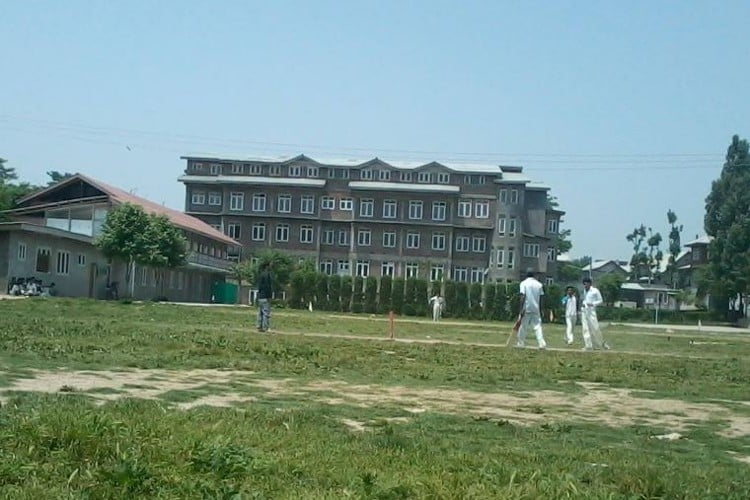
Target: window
363,268
81,259
256,169
237,168
464,209
42,260
412,240
326,266
282,232
482,209
531,249
415,210
511,258
552,225
259,202
274,170
237,201
514,196
389,209
500,257
423,177
436,272
406,177
306,234
343,173
284,203
295,171
462,244
313,172
308,204
412,270
233,230
444,178
22,251
366,174
259,231
343,238
214,198
384,175
327,203
364,237
216,226
503,196
343,268
474,179
438,210
512,226
438,241
551,254
549,281
215,169
501,221
478,244
366,208
197,166
389,239
331,173
329,237
198,198
387,269
460,274
476,275
63,263
345,204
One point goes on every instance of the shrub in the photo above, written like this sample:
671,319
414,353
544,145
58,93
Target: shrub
489,300
371,295
358,295
475,301
421,305
347,287
322,300
334,293
450,299
462,300
397,295
386,294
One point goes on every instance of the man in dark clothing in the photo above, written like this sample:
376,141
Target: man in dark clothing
265,291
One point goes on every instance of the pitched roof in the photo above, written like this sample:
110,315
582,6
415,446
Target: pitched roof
703,240
117,195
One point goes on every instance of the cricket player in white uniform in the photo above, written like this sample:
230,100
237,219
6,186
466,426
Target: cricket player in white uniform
531,305
571,313
592,334
437,303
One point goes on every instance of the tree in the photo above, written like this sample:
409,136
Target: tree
675,246
610,285
125,237
10,189
242,272
55,177
167,247
728,221
385,302
281,266
639,260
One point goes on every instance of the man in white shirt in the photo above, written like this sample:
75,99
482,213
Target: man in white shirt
437,303
591,331
571,313
531,306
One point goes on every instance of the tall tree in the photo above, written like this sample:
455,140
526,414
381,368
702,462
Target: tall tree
675,245
167,248
655,255
639,260
56,176
10,189
728,221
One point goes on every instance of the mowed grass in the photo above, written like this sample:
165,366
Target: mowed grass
293,445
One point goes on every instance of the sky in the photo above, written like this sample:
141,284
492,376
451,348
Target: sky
624,108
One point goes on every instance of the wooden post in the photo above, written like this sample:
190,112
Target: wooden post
390,324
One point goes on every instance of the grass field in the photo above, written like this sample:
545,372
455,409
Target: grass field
108,400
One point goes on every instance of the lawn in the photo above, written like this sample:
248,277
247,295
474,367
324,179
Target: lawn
107,400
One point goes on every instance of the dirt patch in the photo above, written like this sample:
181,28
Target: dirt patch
597,403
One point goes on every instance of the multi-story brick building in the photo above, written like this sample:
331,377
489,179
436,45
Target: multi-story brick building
374,218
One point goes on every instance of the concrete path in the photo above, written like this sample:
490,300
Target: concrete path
705,329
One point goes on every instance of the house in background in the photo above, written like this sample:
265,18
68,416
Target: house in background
51,233
599,268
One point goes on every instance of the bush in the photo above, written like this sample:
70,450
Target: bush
385,294
358,296
450,299
489,301
397,295
371,295
321,292
462,300
552,302
475,301
334,293
296,290
347,287
421,299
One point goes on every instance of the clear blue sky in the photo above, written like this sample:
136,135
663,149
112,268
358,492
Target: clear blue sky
624,108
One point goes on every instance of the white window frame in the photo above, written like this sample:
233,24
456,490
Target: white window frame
81,259
478,244
476,275
312,172
388,268
551,254
512,226
464,209
424,177
256,169
215,169
62,263
406,177
412,270
214,198
236,201
384,175
237,169
553,226
502,224
284,203
365,174
461,274
500,259
259,202
514,197
306,234
389,239
326,266
295,171
463,244
439,210
364,238
503,196
390,209
343,173
531,250
198,198
343,239
329,237
549,280
415,209
282,233
511,261
443,178
274,170
307,204
437,272
482,209
366,207
346,204
234,230
344,268
258,231
327,203
363,268
413,240
23,250
438,242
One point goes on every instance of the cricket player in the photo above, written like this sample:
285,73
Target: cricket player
592,334
571,313
531,306
437,303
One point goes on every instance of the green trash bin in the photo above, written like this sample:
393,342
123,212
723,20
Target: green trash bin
224,293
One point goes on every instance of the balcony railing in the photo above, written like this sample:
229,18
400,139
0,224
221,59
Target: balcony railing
207,260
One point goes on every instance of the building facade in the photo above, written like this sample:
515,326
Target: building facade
50,237
375,218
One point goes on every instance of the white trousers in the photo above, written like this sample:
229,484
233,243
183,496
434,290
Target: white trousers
531,321
592,334
436,311
570,322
